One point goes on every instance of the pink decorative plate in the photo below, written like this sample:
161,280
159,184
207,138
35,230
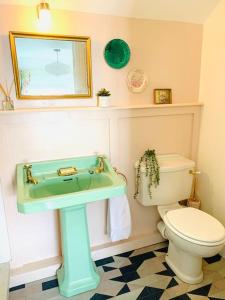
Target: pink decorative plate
137,81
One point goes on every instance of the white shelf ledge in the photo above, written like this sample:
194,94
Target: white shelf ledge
95,108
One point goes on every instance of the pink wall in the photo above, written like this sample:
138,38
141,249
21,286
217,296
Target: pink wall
169,52
211,188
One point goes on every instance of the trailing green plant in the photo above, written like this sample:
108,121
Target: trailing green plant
149,161
103,92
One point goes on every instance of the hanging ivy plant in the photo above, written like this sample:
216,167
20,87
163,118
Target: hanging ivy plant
149,161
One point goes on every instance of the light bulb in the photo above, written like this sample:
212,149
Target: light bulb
44,16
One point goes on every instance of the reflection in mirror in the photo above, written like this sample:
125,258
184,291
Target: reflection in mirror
51,66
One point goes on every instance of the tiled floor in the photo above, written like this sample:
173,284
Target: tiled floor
140,274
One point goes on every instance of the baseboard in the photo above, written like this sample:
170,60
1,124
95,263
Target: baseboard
34,271
110,249
46,268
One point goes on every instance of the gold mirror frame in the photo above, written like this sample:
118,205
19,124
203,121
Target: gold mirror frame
13,35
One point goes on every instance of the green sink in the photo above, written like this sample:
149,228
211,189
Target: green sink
50,186
55,192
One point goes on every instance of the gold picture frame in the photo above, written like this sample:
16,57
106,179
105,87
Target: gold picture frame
162,96
13,35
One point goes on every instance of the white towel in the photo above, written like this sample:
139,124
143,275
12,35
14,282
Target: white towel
119,220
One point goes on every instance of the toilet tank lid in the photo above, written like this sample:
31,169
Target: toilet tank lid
171,162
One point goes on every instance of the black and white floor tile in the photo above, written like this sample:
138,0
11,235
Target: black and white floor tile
140,274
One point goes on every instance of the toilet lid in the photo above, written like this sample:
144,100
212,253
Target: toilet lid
196,224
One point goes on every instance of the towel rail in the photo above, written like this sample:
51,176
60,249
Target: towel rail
121,174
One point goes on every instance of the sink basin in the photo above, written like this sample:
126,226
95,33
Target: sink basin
55,192
52,185
75,184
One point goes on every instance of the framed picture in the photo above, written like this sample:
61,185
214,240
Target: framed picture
162,96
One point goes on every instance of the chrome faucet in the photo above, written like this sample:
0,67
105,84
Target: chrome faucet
100,167
30,178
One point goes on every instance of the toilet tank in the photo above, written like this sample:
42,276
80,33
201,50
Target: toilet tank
175,181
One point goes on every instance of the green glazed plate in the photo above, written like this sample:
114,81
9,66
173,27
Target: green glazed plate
117,53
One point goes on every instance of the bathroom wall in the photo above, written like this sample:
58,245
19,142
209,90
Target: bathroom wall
169,52
211,160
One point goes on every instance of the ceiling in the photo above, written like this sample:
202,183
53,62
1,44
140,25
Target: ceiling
194,11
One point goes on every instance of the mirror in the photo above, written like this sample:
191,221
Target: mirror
51,66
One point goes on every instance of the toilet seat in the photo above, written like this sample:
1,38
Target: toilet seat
195,226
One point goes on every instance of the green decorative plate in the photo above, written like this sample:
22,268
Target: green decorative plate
117,53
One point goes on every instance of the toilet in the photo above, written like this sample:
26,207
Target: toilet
192,233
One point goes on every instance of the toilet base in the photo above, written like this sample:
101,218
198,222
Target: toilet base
187,267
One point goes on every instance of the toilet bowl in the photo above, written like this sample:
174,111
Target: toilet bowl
192,234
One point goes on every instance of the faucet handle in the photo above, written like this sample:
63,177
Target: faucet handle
101,156
27,166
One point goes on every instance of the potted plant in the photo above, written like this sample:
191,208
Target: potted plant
103,97
149,161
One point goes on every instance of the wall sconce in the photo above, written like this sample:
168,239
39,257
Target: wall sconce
44,15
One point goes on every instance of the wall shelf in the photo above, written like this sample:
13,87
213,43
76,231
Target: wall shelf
95,108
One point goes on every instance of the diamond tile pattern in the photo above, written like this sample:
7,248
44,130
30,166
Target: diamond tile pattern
49,284
140,274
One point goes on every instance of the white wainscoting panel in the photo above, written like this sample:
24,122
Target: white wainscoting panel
121,134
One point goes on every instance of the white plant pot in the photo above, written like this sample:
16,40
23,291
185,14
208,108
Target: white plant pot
103,101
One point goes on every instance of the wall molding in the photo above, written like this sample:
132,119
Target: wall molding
96,108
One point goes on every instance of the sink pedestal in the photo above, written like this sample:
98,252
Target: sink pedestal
70,194
77,274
